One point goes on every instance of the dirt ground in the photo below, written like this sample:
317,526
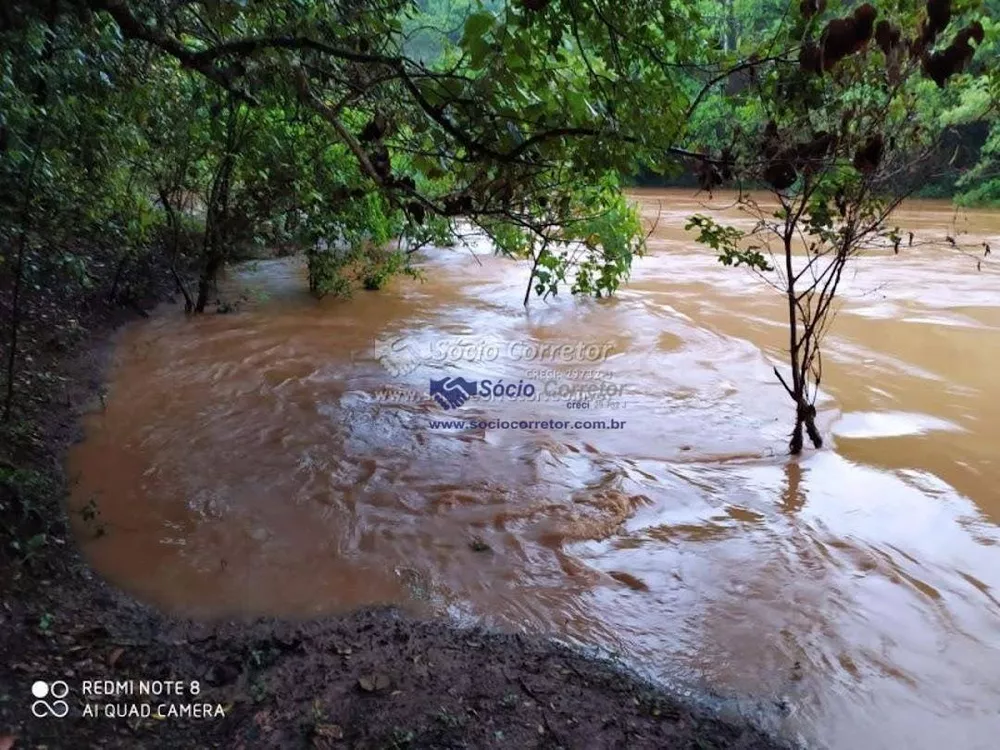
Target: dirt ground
374,679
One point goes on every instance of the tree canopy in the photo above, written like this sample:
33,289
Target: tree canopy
186,133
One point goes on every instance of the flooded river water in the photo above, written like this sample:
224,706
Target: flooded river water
287,460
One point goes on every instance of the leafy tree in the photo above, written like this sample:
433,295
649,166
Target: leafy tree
188,134
61,181
978,101
128,129
842,138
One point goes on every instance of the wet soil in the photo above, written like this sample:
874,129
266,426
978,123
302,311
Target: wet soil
372,679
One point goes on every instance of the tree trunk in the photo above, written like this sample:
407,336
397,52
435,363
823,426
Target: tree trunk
216,232
174,225
534,270
798,352
15,313
207,281
811,430
795,444
113,294
531,279
217,218
15,324
805,413
797,391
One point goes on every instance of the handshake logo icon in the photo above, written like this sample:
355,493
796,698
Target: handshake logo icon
397,357
451,393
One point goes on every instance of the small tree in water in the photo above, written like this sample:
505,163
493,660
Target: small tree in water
835,143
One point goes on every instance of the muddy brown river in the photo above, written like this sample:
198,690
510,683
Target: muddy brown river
288,460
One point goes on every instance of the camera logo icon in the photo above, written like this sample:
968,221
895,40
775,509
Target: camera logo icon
56,690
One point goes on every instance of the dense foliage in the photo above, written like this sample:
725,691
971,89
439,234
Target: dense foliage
186,134
964,162
180,135
835,135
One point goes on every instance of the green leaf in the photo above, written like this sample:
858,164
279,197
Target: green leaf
477,25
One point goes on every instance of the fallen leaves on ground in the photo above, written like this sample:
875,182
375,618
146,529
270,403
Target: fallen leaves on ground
371,683
331,731
327,736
